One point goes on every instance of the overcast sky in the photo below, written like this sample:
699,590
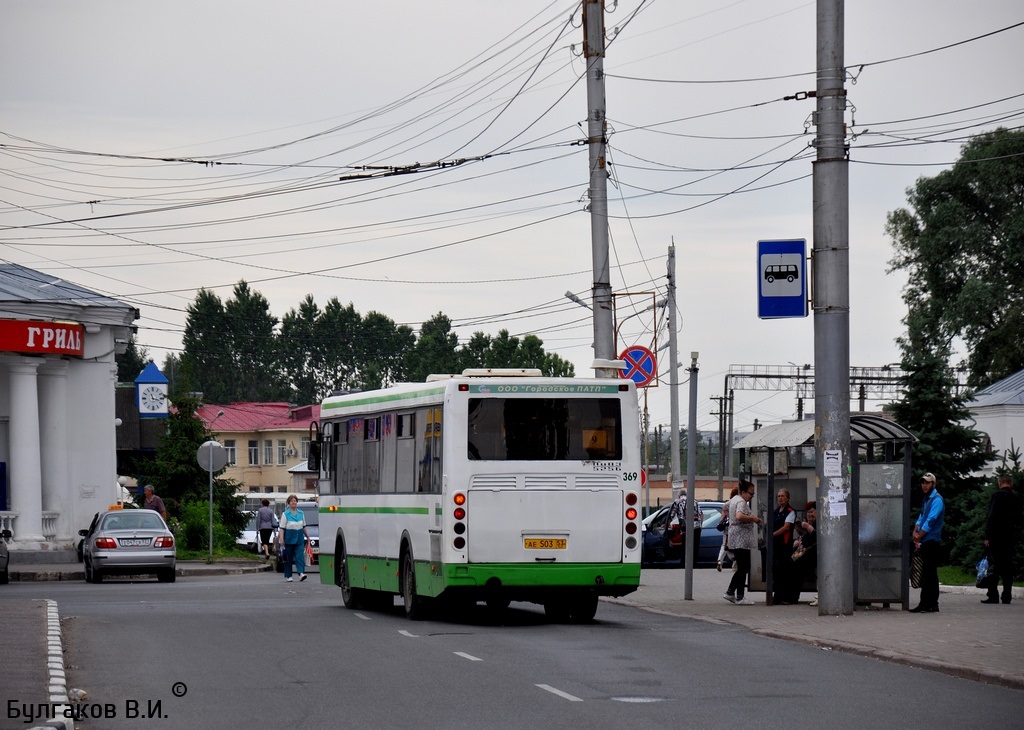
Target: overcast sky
153,148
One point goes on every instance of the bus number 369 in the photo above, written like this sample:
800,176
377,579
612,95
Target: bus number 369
630,476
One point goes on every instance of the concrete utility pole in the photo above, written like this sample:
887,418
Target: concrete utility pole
593,51
673,373
691,477
832,319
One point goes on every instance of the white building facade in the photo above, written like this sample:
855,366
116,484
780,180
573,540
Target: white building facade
57,420
998,412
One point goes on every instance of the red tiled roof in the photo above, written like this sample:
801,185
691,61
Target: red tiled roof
258,417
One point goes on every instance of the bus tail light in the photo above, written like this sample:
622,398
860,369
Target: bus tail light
459,513
631,513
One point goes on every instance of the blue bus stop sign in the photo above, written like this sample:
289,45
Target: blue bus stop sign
641,365
781,279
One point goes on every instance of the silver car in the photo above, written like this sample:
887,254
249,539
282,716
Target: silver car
128,542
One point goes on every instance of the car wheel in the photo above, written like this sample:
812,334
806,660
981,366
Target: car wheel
415,607
166,575
5,577
91,574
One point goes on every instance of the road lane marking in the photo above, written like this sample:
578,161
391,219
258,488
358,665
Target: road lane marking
364,618
471,658
403,632
560,693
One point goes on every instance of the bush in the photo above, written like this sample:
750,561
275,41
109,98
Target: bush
192,528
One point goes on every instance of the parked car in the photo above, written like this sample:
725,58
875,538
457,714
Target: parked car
310,511
128,542
5,558
664,546
250,537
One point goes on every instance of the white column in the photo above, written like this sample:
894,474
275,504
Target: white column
53,414
25,470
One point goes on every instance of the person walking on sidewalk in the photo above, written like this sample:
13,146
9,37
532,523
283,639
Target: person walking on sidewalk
723,526
927,534
742,540
1001,538
293,539
266,523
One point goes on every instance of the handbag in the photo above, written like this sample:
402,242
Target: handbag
916,567
723,524
798,549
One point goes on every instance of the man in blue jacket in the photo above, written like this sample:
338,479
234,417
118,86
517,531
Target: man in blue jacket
927,534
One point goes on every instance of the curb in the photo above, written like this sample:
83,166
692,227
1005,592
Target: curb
183,570
935,665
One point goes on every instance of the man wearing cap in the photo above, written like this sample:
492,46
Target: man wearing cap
927,533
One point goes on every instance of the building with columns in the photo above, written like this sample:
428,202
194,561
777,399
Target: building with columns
57,420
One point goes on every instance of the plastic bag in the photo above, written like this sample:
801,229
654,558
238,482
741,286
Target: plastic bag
984,571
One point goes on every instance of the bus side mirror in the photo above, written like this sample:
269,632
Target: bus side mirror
313,463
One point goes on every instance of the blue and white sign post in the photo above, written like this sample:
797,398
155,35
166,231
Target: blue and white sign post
641,365
781,279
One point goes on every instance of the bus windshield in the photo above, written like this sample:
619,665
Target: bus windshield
545,429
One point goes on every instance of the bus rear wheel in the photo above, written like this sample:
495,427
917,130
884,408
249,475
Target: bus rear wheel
583,609
414,605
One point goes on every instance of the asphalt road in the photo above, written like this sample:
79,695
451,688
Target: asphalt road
253,651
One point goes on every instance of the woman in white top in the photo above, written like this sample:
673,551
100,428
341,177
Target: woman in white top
293,539
742,539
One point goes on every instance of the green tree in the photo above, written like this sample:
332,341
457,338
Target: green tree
205,361
934,412
962,246
251,344
302,352
176,475
435,351
131,362
383,350
338,332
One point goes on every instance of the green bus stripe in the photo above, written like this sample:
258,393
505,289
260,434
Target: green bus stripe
384,398
376,510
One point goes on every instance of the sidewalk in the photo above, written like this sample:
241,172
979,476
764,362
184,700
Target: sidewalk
966,638
76,571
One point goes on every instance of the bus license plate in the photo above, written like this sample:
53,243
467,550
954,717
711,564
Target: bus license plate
544,543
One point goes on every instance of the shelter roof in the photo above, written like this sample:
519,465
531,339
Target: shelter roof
863,428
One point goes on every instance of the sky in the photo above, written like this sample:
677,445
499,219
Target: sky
150,149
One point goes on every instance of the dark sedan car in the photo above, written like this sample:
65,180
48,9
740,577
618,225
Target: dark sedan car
128,542
662,545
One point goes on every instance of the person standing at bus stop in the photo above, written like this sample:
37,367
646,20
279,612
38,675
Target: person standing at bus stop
742,541
293,539
1001,538
927,534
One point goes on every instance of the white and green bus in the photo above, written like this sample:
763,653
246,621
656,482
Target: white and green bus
494,485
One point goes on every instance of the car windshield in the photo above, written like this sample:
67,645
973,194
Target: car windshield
251,524
311,514
142,519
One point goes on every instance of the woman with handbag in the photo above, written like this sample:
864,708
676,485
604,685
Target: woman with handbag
723,527
805,550
293,539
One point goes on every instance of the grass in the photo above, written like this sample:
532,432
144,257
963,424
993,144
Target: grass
218,554
954,575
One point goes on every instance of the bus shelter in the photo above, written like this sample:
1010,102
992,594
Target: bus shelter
783,456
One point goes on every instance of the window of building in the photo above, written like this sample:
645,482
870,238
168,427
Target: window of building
229,447
254,453
304,448
282,452
282,490
268,451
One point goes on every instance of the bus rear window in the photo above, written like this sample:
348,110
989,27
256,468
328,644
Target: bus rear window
545,429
